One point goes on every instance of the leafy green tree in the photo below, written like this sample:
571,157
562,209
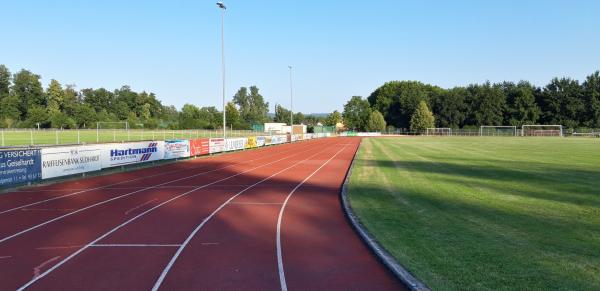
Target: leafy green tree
487,104
70,101
253,108
28,89
37,115
55,96
521,107
398,100
356,113
376,122
449,108
85,116
281,114
232,116
298,118
61,120
591,89
333,118
9,110
422,119
98,98
4,82
562,103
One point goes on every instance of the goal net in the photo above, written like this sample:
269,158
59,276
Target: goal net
123,125
541,130
439,131
487,130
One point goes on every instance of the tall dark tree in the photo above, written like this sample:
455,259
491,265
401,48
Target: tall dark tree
449,107
4,81
562,103
591,91
486,104
356,113
253,108
398,100
281,114
521,107
28,89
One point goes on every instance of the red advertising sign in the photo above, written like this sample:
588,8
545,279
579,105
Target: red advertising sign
199,146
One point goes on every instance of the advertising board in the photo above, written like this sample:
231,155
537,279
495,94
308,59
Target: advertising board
176,149
64,161
20,166
261,141
120,154
199,147
216,145
251,142
234,144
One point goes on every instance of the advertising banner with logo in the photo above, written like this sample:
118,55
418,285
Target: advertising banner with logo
234,144
199,147
121,154
216,145
64,161
261,141
176,149
251,142
20,166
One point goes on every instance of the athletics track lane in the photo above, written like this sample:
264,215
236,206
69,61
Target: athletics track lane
42,247
236,248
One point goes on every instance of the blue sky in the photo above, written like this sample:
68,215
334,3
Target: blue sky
337,48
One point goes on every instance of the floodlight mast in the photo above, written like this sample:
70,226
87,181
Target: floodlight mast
291,104
223,8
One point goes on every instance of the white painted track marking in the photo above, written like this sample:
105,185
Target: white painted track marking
140,206
140,215
166,270
279,254
119,197
38,269
134,245
106,186
5,257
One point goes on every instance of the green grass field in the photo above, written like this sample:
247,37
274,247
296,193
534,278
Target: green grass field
485,213
51,137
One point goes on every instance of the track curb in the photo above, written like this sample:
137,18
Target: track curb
384,256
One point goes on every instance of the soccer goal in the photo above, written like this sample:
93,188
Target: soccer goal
439,131
542,130
490,130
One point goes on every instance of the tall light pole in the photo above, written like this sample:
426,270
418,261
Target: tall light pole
291,104
223,8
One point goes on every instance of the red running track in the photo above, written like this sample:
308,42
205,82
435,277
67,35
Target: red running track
265,219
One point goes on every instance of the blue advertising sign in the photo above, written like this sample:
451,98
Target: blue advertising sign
20,166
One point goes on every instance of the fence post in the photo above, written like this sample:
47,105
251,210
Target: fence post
78,137
31,135
97,135
3,137
114,135
56,134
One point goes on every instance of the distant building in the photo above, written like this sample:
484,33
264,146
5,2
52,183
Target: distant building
282,128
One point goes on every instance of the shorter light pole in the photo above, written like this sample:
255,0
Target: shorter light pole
291,103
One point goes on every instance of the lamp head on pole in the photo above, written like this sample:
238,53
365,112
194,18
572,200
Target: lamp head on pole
221,5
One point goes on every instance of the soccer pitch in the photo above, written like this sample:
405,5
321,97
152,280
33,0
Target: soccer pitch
484,213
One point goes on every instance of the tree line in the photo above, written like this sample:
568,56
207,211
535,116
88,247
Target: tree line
24,103
563,101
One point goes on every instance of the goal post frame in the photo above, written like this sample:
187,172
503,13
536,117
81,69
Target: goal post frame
448,131
560,128
514,128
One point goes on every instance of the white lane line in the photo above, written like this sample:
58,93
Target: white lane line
257,203
166,270
115,198
59,247
279,255
140,206
45,209
210,243
106,186
5,257
142,214
38,269
134,245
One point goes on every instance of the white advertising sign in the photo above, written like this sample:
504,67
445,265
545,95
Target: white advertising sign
120,154
175,149
234,144
64,161
260,141
216,145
